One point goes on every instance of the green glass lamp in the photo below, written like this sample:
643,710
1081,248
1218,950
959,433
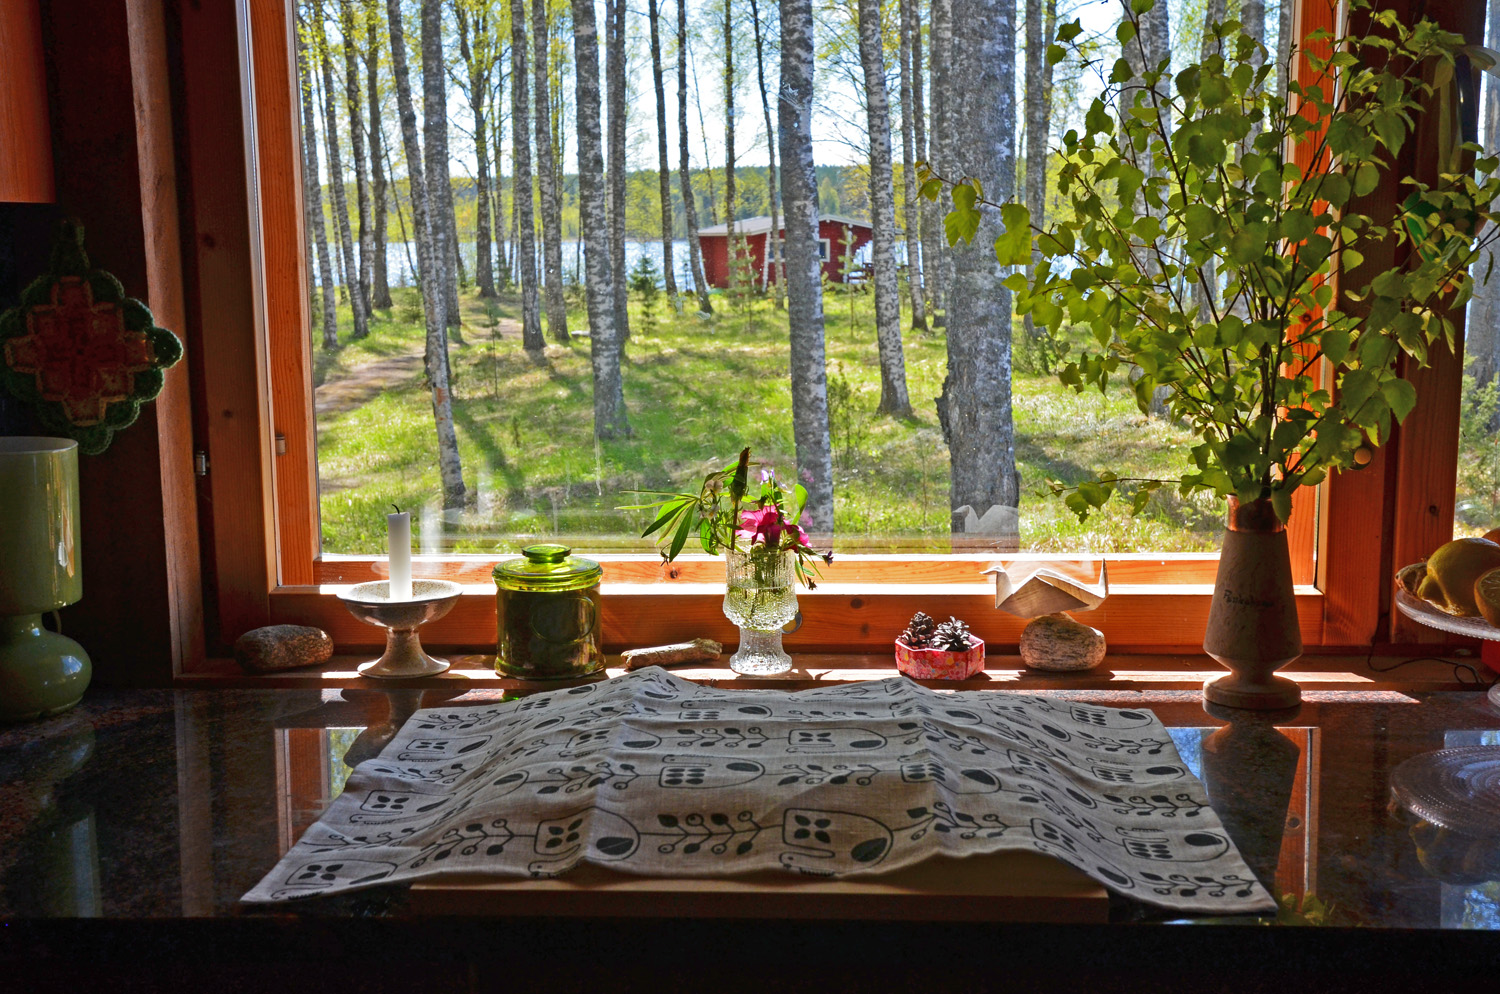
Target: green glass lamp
41,672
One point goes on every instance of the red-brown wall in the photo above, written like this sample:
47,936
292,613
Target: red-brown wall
841,238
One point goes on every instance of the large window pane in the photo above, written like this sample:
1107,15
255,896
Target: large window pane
697,386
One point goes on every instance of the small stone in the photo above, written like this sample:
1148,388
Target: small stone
1056,642
282,647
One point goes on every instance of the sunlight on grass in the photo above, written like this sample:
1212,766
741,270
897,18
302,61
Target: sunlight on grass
697,391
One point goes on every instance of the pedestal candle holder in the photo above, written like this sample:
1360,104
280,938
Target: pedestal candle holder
403,658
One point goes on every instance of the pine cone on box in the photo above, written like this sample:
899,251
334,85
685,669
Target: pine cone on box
918,634
952,635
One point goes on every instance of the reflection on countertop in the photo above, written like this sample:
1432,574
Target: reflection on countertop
168,804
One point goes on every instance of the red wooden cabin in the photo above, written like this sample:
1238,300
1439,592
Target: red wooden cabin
838,237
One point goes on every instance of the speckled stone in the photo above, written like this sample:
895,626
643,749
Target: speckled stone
1058,643
282,647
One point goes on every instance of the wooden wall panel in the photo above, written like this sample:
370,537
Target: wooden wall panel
112,128
1426,444
229,365
25,131
285,324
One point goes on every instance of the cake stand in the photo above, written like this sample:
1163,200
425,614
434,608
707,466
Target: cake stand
1424,613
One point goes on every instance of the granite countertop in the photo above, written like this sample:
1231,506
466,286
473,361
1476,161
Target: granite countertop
169,805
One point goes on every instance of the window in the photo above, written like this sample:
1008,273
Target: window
1159,600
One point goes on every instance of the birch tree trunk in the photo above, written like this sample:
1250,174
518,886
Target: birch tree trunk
1253,18
911,206
1039,28
604,350
435,139
478,63
730,241
312,197
429,269
893,396
336,178
614,71
361,164
975,408
663,160
804,286
685,172
1204,284
546,172
531,317
380,284
932,241
941,271
1284,35
1482,329
774,264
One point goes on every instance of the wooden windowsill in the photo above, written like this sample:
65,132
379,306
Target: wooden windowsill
837,617
1119,672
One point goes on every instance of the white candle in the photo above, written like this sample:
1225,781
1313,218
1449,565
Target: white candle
398,541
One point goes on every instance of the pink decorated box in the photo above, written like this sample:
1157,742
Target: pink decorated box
940,664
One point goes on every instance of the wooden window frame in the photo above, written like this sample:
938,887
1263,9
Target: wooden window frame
262,541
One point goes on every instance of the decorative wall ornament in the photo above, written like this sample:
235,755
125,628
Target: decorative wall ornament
80,352
651,774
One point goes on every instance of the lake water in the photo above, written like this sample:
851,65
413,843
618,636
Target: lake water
401,257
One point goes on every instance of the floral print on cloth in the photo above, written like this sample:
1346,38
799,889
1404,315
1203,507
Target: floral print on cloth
651,774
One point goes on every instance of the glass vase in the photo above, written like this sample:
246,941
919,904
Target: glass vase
761,598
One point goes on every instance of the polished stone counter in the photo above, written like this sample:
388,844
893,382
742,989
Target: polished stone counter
161,806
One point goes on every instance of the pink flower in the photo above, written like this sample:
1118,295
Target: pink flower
762,526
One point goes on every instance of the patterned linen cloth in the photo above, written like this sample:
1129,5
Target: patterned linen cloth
648,773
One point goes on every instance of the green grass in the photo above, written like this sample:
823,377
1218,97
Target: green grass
697,390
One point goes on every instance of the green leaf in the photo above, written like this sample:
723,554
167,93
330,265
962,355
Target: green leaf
741,477
680,539
670,511
1334,188
1357,386
1366,179
1400,395
1013,248
1125,32
932,189
1297,225
1055,54
1202,220
962,223
1335,344
1069,30
1281,503
799,501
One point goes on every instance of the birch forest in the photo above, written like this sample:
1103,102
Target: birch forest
537,240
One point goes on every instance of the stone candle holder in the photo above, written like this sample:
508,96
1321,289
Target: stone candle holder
403,658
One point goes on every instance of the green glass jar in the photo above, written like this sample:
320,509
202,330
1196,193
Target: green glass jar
547,610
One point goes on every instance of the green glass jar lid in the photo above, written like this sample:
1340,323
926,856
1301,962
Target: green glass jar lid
547,567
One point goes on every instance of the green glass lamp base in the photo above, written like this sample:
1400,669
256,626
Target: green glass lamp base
41,673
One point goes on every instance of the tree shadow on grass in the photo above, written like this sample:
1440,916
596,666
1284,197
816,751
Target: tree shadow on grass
484,437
